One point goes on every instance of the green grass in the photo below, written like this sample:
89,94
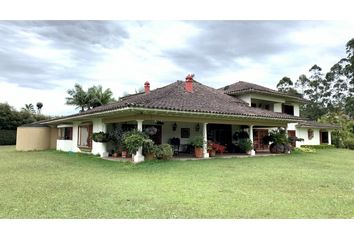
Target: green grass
50,184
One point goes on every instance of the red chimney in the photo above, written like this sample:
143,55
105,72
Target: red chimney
189,83
147,87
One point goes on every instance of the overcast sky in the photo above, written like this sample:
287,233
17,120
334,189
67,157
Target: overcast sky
40,60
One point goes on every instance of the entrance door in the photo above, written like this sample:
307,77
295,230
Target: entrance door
292,133
258,135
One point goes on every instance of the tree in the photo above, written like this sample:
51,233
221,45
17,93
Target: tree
29,108
78,97
94,97
39,107
98,97
284,84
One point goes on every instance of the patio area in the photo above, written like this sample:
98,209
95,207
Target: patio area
185,156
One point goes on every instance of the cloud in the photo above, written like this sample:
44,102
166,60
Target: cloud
40,60
40,54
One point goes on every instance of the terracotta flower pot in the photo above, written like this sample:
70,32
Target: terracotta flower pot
198,152
115,154
124,154
212,153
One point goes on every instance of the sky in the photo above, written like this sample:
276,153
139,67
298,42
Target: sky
41,60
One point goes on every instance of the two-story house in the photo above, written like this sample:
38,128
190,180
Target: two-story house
182,110
256,96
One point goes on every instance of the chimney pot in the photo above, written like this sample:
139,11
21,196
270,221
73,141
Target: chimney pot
189,83
147,87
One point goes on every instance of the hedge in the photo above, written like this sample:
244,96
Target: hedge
321,146
7,137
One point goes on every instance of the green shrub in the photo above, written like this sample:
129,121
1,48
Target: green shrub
133,140
321,146
164,151
149,147
349,143
245,144
197,141
7,137
304,149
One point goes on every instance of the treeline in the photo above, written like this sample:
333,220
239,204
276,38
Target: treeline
330,96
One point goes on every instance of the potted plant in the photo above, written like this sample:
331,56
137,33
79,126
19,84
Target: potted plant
115,152
133,140
211,149
197,142
100,137
280,141
115,136
149,149
245,145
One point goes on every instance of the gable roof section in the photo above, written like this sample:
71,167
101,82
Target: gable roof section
241,88
203,99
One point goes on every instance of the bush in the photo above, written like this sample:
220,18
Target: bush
133,140
149,147
7,137
304,149
164,151
349,143
245,144
321,146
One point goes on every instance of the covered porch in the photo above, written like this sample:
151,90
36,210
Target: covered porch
177,131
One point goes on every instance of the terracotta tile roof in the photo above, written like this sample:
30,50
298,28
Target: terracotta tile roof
203,99
313,124
240,88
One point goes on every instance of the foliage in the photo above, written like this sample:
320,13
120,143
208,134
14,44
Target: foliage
149,147
94,97
133,140
217,147
116,135
197,141
277,136
164,151
321,146
10,119
7,137
100,137
304,149
349,143
245,144
28,108
39,107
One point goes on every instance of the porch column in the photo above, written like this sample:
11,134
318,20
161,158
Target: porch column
138,156
329,137
205,139
251,138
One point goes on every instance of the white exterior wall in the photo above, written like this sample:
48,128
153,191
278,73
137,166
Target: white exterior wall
246,98
277,107
296,109
75,136
302,133
97,147
168,133
65,145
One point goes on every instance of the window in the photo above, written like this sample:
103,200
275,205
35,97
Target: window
65,133
288,109
310,134
253,105
85,136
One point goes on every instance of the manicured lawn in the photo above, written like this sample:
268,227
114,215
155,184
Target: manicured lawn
52,184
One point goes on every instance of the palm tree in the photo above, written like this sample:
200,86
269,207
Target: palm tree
39,107
78,97
98,97
28,108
